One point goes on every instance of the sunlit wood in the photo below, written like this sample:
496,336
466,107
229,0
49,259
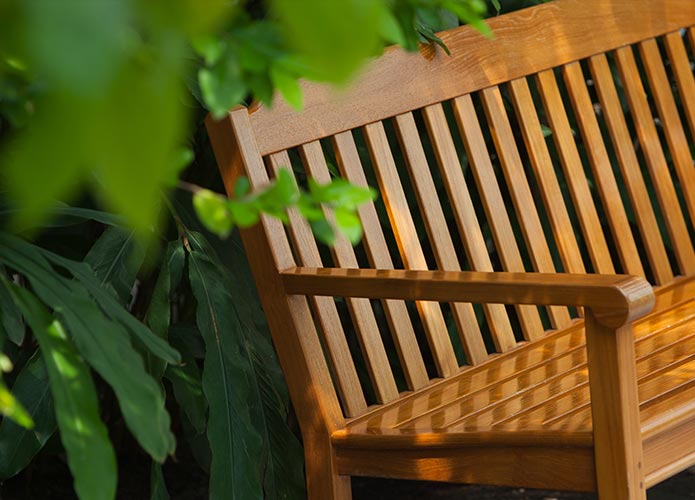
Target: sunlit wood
603,402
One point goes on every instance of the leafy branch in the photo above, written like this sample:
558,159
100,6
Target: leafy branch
220,215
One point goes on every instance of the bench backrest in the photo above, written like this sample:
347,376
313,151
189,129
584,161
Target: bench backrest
481,191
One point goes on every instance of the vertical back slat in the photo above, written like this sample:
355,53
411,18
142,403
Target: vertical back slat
629,167
516,180
656,162
574,173
684,75
408,244
343,367
494,205
464,212
602,169
396,312
440,239
546,177
360,309
673,128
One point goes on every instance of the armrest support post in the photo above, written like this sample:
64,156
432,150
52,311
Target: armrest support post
614,401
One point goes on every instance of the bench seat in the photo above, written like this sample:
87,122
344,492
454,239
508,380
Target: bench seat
533,398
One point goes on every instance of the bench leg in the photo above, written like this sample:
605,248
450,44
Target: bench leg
322,480
615,411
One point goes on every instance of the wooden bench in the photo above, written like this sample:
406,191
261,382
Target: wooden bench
508,339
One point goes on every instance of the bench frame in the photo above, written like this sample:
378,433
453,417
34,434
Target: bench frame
609,461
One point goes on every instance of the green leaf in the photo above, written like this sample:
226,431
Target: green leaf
6,365
547,131
282,458
11,408
222,85
234,441
496,5
12,323
209,46
323,231
245,213
84,274
90,455
288,86
188,391
323,33
389,29
349,224
242,186
116,258
341,194
18,445
213,212
429,35
104,343
158,488
283,455
159,311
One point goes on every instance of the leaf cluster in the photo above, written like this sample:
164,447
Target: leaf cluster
182,335
220,214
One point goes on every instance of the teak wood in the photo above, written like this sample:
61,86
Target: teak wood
497,324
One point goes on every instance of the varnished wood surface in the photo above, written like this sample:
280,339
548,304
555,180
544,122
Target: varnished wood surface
541,384
342,366
616,299
600,408
400,324
522,198
629,167
409,246
526,42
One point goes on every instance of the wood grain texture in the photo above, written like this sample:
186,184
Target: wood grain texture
574,173
396,312
616,299
670,119
630,169
655,159
520,191
467,221
342,365
545,176
601,168
408,244
680,65
613,387
361,312
606,403
440,238
572,468
550,35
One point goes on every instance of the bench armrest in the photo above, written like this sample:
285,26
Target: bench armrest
613,299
